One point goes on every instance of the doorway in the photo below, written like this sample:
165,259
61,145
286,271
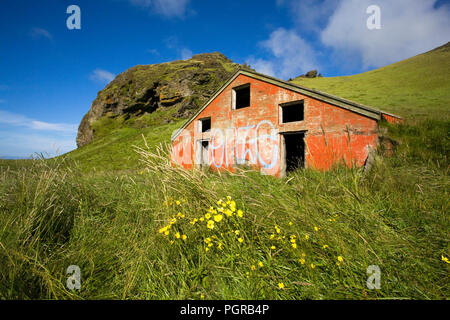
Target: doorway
204,156
294,145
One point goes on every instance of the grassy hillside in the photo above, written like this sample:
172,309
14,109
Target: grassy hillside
113,150
418,87
146,235
139,228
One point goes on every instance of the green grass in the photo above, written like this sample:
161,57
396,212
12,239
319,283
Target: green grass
55,215
112,150
418,87
101,207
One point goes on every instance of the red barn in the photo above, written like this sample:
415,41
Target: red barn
276,126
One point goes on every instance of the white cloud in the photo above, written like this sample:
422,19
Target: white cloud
62,127
310,15
186,53
101,75
19,144
22,136
153,51
262,66
174,43
39,33
14,119
407,28
290,54
167,8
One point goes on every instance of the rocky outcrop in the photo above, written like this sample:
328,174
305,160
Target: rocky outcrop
309,74
184,85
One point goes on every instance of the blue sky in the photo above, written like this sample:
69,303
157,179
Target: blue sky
50,75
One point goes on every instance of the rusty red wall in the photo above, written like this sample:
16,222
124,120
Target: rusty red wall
391,118
332,134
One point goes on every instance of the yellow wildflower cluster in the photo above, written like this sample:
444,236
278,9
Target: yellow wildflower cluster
220,227
171,202
216,219
333,217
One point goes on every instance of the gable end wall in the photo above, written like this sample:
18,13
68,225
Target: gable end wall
254,135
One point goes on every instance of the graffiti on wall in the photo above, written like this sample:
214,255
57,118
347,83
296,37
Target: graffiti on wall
252,144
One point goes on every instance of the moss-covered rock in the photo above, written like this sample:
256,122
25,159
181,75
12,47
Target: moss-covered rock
180,87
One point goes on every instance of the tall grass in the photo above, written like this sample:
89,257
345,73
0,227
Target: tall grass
54,215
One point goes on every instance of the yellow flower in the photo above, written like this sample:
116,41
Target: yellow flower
302,261
208,240
163,229
325,246
252,268
206,249
179,214
177,235
281,285
340,259
240,213
210,224
445,259
201,219
277,229
272,236
260,264
228,212
306,237
236,232
219,245
171,241
208,216
167,232
312,266
316,229
218,218
273,247
202,296
241,240
290,223
228,198
294,245
184,237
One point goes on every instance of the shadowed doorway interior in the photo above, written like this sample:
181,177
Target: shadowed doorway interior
294,150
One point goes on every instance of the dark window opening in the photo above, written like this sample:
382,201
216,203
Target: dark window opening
295,151
242,97
204,153
205,124
293,112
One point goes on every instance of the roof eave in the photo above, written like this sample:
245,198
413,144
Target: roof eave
319,95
